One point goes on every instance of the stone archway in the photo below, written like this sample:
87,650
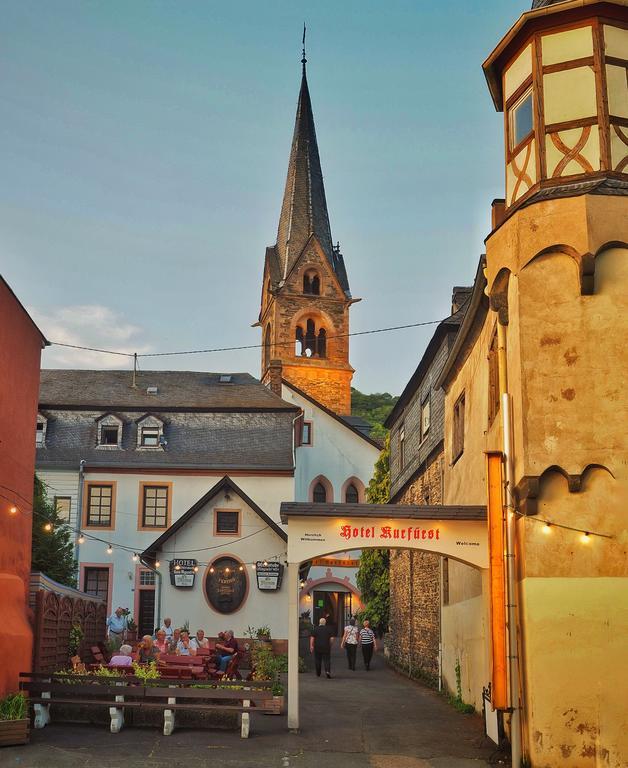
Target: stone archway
316,530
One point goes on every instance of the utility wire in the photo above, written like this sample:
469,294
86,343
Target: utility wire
245,346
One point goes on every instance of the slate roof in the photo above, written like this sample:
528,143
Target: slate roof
304,207
543,3
207,425
150,553
176,391
599,186
450,324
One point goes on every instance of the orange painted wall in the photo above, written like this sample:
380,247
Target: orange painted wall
20,353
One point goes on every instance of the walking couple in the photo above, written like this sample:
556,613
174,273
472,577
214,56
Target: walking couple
352,637
322,639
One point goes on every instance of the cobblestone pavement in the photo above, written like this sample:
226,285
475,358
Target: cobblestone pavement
360,719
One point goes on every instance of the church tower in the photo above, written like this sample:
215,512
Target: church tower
304,314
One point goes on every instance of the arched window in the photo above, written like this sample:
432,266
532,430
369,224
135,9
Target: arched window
319,494
311,283
267,345
310,341
351,494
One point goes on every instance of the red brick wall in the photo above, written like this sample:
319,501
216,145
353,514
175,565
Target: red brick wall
20,350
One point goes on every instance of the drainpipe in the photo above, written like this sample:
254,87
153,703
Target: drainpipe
511,542
440,626
79,511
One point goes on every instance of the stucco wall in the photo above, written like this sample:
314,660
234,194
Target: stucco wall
20,350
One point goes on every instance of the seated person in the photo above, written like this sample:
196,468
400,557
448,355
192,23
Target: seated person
168,628
161,641
225,649
185,646
146,651
122,658
199,640
174,640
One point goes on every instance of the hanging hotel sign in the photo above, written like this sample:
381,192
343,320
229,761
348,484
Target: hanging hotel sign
268,575
182,572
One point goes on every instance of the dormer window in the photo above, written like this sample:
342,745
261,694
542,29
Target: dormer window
40,431
109,431
311,283
150,432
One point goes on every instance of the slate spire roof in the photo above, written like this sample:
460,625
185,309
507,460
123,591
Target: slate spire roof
304,207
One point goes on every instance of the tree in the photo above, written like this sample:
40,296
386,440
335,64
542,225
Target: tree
373,574
52,548
373,408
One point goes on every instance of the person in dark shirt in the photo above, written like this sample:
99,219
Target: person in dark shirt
226,649
321,641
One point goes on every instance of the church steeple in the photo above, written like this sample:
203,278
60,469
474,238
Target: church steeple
305,294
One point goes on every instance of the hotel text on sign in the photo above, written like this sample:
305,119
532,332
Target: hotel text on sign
388,532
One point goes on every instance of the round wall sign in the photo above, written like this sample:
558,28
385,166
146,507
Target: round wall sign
226,585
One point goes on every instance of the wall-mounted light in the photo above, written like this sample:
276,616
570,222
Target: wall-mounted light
48,527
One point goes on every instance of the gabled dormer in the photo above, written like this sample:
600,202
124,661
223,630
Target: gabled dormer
109,431
41,428
150,433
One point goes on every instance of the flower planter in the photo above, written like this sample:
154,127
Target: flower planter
274,706
13,732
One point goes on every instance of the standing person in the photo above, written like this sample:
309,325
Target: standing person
350,642
321,640
368,643
168,628
116,626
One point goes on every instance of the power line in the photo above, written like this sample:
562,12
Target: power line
242,347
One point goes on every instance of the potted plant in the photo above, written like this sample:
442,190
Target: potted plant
277,702
131,629
13,720
75,640
263,634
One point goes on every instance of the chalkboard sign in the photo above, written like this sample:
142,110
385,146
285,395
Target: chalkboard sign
268,575
183,575
226,585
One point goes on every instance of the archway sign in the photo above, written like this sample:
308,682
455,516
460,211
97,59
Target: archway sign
315,530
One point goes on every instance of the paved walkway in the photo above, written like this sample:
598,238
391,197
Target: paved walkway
360,719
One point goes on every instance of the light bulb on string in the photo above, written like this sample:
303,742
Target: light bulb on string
585,538
547,528
241,568
227,570
48,527
253,566
196,569
81,539
157,563
211,570
109,549
134,558
177,567
13,510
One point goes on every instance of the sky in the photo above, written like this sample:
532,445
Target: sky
144,147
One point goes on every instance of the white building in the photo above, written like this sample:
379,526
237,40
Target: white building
190,466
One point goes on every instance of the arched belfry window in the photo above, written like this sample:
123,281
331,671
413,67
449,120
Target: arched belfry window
351,494
319,495
311,341
311,283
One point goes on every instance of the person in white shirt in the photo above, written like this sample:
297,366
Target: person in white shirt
368,643
199,640
168,628
116,625
350,642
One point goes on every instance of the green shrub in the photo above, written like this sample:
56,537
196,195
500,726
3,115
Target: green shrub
13,707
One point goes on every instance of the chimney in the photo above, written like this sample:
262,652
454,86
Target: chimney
498,211
272,377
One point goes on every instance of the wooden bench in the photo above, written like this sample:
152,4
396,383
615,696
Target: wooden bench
45,689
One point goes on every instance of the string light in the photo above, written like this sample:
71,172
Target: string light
48,527
177,567
547,528
196,569
585,538
253,566
265,562
109,549
211,570
157,563
13,510
81,539
134,558
227,570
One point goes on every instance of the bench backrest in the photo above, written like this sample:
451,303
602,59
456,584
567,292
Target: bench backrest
181,661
